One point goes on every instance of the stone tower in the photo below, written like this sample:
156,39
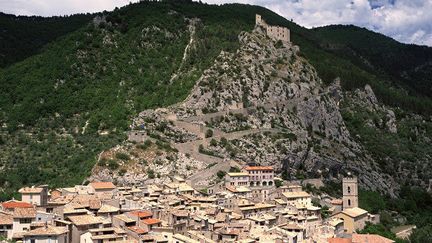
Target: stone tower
350,192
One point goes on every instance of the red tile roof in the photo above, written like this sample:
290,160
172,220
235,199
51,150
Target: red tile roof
138,230
142,213
16,204
102,185
259,168
151,221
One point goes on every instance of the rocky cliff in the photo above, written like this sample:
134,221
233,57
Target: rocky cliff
263,104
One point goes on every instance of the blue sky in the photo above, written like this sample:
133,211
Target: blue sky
408,21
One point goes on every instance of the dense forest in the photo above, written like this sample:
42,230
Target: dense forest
70,85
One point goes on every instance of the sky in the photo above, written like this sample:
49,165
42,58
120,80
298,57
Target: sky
408,21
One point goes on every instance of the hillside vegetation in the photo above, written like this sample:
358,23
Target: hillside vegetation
72,94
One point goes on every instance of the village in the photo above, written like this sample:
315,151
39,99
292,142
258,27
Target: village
249,204
248,208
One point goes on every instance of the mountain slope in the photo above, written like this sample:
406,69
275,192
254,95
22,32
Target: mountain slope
22,37
62,107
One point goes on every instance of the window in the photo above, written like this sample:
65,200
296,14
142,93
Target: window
25,221
349,202
349,189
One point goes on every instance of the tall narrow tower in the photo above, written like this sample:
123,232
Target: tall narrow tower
350,192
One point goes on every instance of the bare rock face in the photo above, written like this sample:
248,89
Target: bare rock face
265,104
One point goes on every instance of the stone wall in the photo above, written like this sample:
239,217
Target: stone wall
275,32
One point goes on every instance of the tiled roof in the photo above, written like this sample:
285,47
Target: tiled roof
108,209
138,230
30,190
295,194
16,204
370,238
339,240
354,212
142,213
46,231
259,168
151,221
124,218
102,185
84,219
24,213
6,218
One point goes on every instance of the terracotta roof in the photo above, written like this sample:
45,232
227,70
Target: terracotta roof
32,190
24,213
102,185
180,213
142,213
354,212
16,204
6,218
84,219
151,221
259,168
363,238
339,240
46,230
299,194
138,230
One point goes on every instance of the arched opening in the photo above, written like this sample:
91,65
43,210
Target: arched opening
270,183
349,190
349,202
258,183
251,183
264,183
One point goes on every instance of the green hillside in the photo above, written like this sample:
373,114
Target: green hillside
21,37
76,95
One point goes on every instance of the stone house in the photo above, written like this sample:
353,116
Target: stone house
47,234
37,196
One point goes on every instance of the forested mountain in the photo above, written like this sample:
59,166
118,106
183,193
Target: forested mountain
70,86
22,36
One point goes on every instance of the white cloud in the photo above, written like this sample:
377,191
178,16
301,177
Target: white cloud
408,21
58,7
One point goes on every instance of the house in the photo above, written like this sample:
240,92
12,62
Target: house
37,196
354,219
103,187
6,222
47,234
297,198
81,224
9,206
236,179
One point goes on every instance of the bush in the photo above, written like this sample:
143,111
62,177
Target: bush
221,174
151,173
112,164
209,133
122,156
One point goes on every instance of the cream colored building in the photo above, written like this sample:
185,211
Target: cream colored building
354,219
35,195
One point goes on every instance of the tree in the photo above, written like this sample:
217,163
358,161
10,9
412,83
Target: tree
209,133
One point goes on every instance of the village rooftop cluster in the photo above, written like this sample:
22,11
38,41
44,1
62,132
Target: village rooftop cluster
247,208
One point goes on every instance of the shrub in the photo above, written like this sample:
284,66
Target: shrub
221,174
151,173
209,133
122,156
112,164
